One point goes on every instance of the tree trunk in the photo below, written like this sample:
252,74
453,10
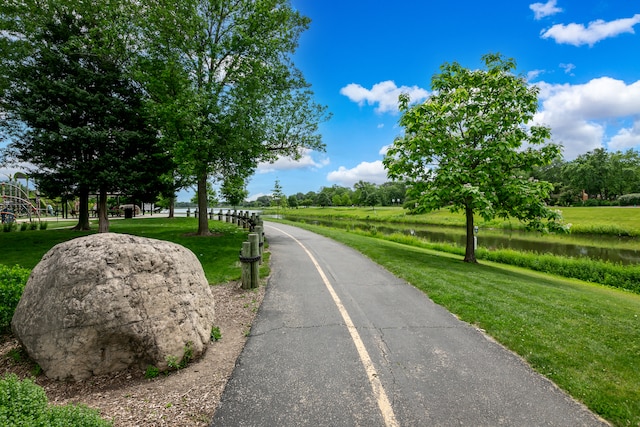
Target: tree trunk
203,219
172,207
470,252
103,218
83,211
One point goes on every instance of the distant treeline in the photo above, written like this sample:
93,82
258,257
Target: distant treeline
597,178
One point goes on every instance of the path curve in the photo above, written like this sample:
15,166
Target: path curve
339,341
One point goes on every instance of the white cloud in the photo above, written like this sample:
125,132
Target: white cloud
254,197
626,138
373,172
384,149
10,171
578,34
385,94
287,163
581,116
533,74
542,10
568,68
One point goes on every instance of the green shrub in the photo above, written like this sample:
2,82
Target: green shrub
215,333
33,225
43,225
23,403
9,226
187,356
629,199
151,372
24,226
75,415
12,281
602,272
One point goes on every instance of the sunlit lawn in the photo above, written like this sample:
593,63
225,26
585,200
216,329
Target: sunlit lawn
218,254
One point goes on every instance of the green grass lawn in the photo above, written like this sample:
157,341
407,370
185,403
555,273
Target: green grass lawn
597,220
584,337
218,253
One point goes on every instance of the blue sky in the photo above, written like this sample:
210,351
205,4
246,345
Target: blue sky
359,55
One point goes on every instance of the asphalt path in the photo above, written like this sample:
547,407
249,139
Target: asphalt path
339,341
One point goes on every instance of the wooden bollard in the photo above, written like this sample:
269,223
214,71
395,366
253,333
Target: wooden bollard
260,233
211,214
250,259
220,215
255,255
246,265
245,220
228,215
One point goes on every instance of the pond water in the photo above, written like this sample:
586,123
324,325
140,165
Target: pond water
596,247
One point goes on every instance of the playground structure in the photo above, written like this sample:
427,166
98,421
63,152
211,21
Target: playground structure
16,202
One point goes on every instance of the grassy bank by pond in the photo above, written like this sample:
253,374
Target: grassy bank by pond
616,221
521,249
218,253
584,337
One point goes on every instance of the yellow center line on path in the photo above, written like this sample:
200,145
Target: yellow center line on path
378,391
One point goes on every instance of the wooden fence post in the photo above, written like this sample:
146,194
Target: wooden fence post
245,220
255,256
246,266
258,230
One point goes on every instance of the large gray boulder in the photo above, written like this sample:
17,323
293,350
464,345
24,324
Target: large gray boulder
106,302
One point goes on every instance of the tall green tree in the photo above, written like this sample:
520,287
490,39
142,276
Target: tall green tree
71,110
602,174
224,87
234,190
212,196
624,175
468,147
366,193
278,198
589,172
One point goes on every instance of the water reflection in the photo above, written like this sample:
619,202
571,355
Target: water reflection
492,239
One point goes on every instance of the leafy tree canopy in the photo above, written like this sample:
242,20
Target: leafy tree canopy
71,109
469,147
224,88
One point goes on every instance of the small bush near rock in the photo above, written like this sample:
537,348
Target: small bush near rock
23,403
12,282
